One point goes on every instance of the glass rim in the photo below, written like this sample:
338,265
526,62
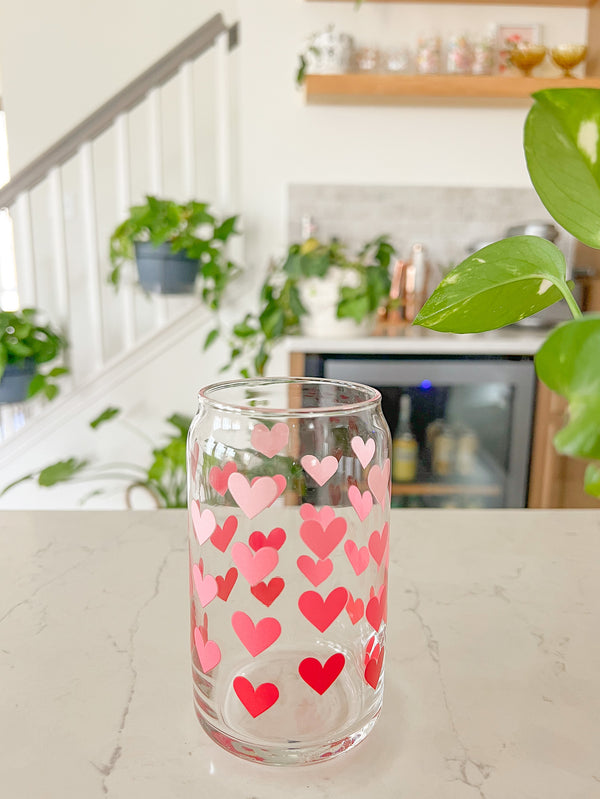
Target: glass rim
373,397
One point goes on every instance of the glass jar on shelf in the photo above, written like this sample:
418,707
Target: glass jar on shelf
459,55
484,55
429,55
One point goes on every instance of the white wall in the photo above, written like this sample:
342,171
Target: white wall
60,60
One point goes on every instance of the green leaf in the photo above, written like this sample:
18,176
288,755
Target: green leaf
60,472
16,483
58,371
497,286
226,229
37,384
50,391
592,480
272,321
107,414
562,147
181,422
211,337
568,363
243,329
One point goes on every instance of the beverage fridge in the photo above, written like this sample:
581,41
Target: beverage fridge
462,425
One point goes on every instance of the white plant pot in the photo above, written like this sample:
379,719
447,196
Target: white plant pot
320,298
331,55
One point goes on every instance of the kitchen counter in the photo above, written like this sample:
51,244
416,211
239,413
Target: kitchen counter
492,677
513,340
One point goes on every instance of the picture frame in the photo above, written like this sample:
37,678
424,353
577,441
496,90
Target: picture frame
508,35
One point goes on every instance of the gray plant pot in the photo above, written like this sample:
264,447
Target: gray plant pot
15,381
164,272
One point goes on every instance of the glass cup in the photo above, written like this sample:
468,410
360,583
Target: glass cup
289,497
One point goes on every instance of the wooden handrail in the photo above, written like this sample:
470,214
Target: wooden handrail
95,124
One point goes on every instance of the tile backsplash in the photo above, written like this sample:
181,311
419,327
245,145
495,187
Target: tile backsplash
445,219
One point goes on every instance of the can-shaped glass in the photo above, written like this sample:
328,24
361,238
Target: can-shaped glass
289,498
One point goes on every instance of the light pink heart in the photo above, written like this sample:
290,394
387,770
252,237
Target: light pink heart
254,566
364,451
209,653
362,503
324,516
206,586
254,498
379,480
359,558
203,522
315,571
270,442
255,637
323,542
281,484
320,471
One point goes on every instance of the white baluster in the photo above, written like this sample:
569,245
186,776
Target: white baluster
126,290
156,174
59,246
90,249
26,277
188,152
223,122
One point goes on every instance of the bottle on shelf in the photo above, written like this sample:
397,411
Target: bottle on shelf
404,446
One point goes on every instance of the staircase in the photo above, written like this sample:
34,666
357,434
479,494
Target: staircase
170,132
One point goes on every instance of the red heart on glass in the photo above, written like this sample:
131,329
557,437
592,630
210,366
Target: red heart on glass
355,608
373,669
378,543
315,571
268,593
323,541
322,612
321,677
255,700
275,539
223,535
225,584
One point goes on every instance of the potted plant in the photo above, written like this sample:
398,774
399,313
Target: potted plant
172,244
514,278
24,346
292,298
164,479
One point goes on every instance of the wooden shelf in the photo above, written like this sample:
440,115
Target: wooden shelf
445,489
559,3
382,89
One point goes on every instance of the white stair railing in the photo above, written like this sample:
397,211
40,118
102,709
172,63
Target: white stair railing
84,200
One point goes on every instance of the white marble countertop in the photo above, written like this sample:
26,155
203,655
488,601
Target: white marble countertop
492,677
419,341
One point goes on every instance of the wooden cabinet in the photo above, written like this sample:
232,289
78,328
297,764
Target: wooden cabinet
388,89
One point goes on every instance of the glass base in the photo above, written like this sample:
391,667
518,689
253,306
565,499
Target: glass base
302,726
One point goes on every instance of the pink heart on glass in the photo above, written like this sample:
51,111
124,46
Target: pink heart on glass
379,480
362,503
315,571
206,586
254,498
203,522
255,637
270,442
320,471
254,566
359,558
218,477
324,516
209,653
378,543
323,542
364,451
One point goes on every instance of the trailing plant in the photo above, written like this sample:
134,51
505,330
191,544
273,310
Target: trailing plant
189,228
164,479
22,339
280,306
517,277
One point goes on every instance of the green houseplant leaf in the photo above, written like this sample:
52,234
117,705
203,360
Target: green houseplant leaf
497,286
592,480
569,363
562,148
